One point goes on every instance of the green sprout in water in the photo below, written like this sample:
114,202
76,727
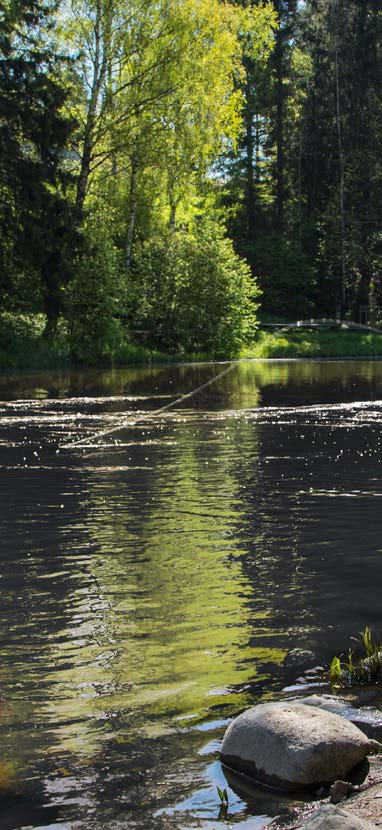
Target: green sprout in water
223,796
367,669
335,671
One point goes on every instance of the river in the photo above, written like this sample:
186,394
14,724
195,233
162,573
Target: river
154,578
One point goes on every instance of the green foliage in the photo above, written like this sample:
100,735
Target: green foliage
223,796
193,293
94,299
362,670
23,345
373,652
112,117
350,665
36,220
285,274
308,343
367,640
335,671
305,191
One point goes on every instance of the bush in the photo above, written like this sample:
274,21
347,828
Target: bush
192,293
24,346
93,301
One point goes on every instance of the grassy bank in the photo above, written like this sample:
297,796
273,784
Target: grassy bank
313,343
24,347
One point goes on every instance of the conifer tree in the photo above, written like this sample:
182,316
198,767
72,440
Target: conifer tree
35,211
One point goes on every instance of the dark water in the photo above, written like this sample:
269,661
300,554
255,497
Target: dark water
150,589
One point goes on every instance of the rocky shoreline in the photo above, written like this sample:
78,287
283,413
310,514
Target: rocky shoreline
319,740
359,810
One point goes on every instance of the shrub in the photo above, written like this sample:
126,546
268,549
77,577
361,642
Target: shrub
93,301
192,293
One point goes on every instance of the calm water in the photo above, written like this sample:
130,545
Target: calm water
150,589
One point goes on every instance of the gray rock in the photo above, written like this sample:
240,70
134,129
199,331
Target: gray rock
334,818
292,746
330,703
339,791
299,659
302,687
367,719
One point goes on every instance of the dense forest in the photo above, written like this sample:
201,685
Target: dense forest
172,169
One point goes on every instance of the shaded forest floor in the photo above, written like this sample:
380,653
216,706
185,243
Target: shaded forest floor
23,346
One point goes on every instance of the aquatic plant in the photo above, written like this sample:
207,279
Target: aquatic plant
335,671
224,804
223,796
362,669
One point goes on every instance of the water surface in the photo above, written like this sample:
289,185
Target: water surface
153,579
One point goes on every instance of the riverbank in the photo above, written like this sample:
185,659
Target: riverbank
24,346
365,803
359,793
307,343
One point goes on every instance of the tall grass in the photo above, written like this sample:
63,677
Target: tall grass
314,344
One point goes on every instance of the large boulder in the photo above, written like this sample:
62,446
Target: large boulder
333,818
292,746
369,720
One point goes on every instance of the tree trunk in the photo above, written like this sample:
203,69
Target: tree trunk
113,157
342,293
84,171
366,205
99,72
132,211
172,217
299,178
280,154
51,294
363,288
249,164
342,188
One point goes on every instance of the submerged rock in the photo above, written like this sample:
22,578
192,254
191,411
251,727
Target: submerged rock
298,660
293,746
334,818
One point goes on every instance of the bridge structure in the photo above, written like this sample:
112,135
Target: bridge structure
321,324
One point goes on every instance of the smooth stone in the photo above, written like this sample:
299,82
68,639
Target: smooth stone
368,720
334,818
292,746
298,687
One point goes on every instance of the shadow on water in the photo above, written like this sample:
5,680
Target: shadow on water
152,587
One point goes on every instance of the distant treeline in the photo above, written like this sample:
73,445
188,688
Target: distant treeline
306,188
161,161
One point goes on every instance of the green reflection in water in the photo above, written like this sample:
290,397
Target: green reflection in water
243,387
181,566
175,611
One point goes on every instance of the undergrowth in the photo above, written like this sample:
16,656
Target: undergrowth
23,346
